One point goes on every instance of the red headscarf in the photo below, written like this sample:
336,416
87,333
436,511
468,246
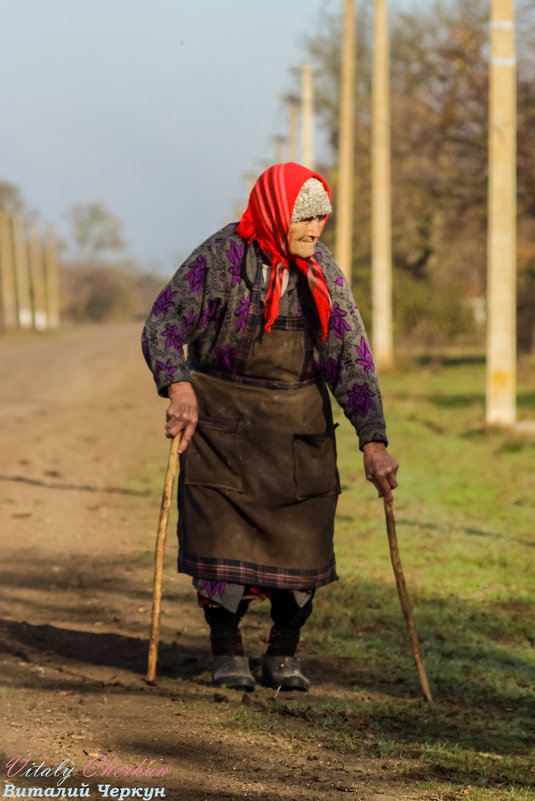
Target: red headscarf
267,220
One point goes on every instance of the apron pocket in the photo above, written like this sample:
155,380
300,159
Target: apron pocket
315,465
213,456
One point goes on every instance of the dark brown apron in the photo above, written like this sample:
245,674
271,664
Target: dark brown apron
258,483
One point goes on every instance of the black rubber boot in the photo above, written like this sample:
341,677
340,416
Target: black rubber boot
232,671
283,672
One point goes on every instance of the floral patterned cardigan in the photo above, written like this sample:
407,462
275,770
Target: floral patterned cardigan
205,306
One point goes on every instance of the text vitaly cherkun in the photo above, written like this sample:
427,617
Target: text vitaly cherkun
22,767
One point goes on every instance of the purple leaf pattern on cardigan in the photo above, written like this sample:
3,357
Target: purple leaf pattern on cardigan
339,281
225,358
210,312
333,372
164,301
196,275
337,322
235,256
173,338
189,321
241,313
364,355
168,368
360,399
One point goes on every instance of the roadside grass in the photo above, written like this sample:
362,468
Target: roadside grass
465,513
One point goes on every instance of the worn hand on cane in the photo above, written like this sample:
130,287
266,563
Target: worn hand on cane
381,469
182,413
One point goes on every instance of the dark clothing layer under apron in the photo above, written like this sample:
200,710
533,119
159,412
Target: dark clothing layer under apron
258,483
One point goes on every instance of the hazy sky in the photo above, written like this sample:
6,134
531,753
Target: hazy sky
155,108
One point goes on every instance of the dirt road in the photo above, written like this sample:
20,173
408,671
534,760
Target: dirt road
79,419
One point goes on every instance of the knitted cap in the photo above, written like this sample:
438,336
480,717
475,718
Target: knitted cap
312,201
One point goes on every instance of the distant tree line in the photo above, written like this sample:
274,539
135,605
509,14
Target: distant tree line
97,283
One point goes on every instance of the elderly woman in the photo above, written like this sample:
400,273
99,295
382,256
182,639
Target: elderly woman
270,324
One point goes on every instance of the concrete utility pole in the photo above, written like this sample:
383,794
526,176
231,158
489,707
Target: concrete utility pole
381,200
293,126
37,273
52,279
24,304
344,200
8,303
307,115
501,265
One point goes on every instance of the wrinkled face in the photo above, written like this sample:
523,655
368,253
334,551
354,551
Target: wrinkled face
303,236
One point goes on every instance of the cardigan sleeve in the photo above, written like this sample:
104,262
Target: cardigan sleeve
347,361
175,319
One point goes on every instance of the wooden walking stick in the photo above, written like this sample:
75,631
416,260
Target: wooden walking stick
404,597
172,467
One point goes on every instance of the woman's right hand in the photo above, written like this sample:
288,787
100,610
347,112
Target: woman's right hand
182,413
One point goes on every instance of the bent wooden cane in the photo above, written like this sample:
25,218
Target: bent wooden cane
172,467
404,597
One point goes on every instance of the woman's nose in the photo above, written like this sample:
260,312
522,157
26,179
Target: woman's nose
315,227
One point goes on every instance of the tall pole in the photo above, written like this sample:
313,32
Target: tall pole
344,200
501,244
8,304
307,115
293,126
24,303
381,200
52,278
38,291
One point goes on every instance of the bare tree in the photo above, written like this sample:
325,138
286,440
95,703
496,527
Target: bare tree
12,201
95,230
11,198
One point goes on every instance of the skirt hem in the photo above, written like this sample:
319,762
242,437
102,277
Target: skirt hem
256,575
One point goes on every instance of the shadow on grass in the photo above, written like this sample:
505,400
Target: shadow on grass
436,528
524,400
468,359
479,661
457,401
